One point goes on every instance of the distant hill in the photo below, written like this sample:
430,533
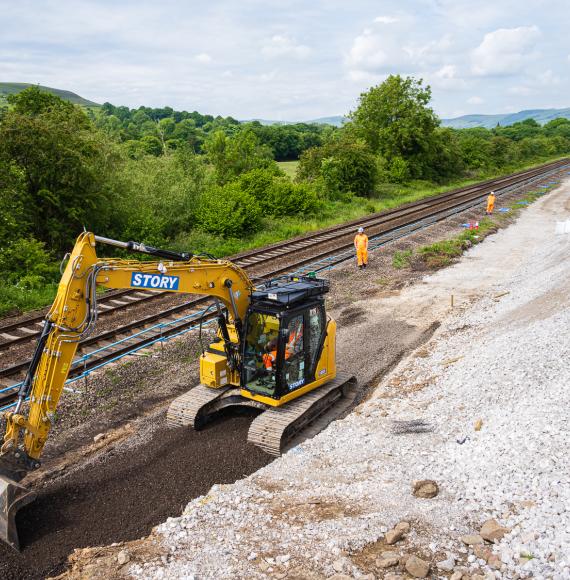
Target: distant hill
14,88
541,116
337,121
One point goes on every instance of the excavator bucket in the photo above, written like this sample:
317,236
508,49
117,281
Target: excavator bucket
13,496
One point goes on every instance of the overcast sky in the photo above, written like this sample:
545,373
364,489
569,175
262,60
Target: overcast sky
288,59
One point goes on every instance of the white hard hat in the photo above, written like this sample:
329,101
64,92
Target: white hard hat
360,230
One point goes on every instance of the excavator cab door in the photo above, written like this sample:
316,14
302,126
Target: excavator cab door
261,352
282,348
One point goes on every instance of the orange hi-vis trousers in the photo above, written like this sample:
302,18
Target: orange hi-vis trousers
361,245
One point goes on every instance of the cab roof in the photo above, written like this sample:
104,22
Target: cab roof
290,291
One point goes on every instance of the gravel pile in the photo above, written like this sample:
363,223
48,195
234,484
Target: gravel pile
482,410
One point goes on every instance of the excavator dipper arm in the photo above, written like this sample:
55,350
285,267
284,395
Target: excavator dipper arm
71,317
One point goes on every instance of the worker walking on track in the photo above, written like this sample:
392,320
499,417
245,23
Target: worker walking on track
361,245
490,203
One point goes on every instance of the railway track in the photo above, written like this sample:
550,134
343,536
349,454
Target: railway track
317,251
25,330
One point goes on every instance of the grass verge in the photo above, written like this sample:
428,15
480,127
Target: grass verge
14,300
443,253
402,259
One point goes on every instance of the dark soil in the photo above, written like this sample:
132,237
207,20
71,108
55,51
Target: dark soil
95,506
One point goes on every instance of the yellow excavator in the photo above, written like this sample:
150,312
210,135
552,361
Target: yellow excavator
274,350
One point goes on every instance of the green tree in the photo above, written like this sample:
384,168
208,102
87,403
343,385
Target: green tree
157,197
13,223
63,161
232,156
344,165
395,121
257,182
285,198
228,211
152,145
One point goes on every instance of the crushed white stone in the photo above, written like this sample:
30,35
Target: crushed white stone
328,498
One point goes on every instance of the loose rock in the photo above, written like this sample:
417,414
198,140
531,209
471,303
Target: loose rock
492,531
472,539
387,562
446,565
426,488
482,552
397,533
417,567
123,557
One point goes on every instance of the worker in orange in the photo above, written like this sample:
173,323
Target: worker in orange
361,245
490,203
294,343
270,355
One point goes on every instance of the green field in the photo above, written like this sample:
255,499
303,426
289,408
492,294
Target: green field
289,167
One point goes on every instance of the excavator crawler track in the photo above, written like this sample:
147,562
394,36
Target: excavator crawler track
277,428
281,428
196,407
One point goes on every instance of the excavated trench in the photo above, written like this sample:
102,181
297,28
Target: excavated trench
95,506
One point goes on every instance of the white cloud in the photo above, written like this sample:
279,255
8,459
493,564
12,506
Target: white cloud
385,19
142,54
548,78
505,51
475,100
203,58
368,52
281,45
378,50
448,71
520,90
446,78
435,50
363,77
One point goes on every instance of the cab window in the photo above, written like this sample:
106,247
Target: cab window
317,324
260,356
294,364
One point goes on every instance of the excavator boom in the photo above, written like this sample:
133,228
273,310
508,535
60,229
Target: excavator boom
70,318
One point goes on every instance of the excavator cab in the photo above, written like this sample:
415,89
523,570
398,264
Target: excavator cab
285,331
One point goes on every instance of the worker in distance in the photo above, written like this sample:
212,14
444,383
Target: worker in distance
361,246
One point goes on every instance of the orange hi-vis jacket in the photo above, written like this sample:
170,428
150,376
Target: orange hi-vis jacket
295,337
361,241
361,245
490,203
269,358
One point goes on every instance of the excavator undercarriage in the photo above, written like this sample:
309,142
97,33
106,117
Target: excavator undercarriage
276,429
